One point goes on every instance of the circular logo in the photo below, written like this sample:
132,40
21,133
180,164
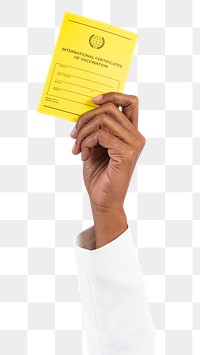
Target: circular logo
96,41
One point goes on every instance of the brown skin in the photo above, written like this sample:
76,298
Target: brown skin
110,145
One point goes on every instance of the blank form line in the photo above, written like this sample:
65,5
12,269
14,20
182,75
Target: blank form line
65,98
58,109
59,73
85,87
74,92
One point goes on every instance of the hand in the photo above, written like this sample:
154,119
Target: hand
110,145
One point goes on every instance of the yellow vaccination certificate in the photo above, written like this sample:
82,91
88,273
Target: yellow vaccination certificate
90,58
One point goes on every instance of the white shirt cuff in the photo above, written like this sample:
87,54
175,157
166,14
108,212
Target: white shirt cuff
116,314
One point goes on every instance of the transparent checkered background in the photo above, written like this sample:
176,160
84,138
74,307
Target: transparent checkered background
43,201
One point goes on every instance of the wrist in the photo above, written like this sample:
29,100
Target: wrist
109,223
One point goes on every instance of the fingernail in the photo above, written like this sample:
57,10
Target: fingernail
73,132
97,98
74,148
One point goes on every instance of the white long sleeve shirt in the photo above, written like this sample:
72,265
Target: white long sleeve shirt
116,314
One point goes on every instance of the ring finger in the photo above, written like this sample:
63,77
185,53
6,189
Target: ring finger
108,124
108,108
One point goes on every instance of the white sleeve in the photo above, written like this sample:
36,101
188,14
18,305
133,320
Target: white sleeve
116,314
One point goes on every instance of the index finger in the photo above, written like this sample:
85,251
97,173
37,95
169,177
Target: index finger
129,104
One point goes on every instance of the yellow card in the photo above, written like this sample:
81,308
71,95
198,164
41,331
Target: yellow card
90,58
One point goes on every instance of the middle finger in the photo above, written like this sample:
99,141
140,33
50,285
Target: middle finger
108,108
110,125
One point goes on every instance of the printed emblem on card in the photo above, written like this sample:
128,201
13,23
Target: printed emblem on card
96,42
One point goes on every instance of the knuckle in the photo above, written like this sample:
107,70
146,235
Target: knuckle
142,140
130,154
82,144
79,120
109,106
81,135
134,99
139,145
78,123
78,136
101,133
102,118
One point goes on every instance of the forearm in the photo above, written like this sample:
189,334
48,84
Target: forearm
108,224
